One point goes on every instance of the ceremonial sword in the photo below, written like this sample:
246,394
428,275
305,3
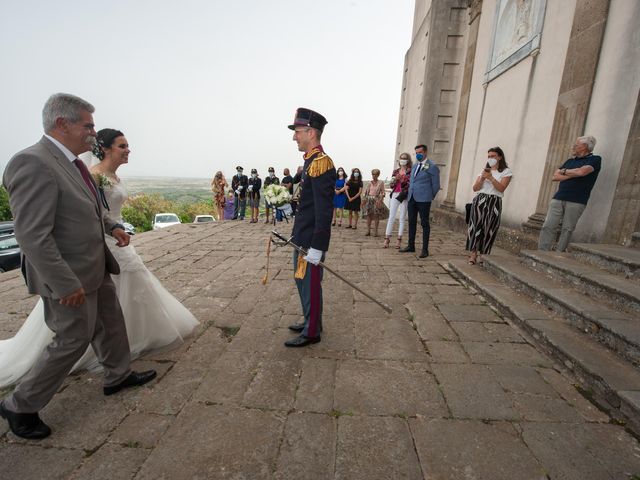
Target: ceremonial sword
301,250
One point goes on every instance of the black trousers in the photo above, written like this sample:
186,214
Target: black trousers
423,208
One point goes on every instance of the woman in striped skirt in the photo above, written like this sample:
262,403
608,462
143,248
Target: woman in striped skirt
486,207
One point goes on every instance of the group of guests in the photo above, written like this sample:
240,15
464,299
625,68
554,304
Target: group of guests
413,188
243,190
351,195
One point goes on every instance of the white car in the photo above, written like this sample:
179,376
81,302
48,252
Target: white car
163,220
204,219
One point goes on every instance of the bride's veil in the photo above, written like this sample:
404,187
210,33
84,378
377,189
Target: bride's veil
89,159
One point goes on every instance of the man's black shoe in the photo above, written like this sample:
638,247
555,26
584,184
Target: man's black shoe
296,327
301,341
25,425
424,254
407,249
135,379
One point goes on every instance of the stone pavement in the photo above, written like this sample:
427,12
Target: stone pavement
443,388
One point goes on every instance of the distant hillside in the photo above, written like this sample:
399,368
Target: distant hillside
186,190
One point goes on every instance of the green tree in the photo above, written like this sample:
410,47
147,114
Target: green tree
140,209
5,211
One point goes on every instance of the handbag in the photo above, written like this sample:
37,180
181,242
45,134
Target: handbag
402,196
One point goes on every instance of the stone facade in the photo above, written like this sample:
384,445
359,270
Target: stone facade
529,76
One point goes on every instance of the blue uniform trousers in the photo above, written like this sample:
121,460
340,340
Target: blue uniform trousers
310,291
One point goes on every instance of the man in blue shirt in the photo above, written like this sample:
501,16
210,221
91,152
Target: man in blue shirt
424,185
577,176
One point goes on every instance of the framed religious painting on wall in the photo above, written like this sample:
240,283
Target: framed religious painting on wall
517,31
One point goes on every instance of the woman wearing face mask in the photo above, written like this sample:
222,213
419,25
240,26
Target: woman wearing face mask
218,185
373,206
340,197
486,207
253,191
398,203
354,192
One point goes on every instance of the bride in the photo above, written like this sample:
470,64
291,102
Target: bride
154,318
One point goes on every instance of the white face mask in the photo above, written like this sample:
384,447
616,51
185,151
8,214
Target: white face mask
492,162
272,174
253,175
356,174
402,162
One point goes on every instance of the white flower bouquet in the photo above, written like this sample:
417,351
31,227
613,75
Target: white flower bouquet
277,195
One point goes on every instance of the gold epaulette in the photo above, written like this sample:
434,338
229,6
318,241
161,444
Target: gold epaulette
320,165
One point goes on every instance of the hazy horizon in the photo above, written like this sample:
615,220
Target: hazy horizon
200,86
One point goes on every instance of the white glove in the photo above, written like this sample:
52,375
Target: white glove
237,192
250,188
240,187
314,256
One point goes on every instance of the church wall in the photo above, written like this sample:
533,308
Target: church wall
515,111
611,110
412,89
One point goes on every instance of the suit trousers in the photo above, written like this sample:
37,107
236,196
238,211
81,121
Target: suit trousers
99,323
561,214
422,208
239,207
310,291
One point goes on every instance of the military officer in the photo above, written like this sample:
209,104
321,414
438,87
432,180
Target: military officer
312,226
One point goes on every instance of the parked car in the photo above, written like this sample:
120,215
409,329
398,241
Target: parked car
204,219
9,252
163,220
6,227
130,229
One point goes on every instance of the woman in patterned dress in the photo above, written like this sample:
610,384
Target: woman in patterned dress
218,185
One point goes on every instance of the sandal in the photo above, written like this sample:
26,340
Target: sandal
386,242
348,226
399,242
333,224
368,234
471,262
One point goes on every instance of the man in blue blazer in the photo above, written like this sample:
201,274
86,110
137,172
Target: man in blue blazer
423,187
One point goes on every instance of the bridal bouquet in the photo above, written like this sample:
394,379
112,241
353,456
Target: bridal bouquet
277,195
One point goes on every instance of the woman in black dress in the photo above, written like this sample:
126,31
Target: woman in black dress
354,193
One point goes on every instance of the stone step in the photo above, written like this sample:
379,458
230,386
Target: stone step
619,331
612,382
614,258
610,288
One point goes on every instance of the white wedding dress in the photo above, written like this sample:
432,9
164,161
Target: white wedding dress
154,318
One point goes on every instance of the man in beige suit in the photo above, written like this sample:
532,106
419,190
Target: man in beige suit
60,228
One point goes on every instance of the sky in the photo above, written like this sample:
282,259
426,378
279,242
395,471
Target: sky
204,85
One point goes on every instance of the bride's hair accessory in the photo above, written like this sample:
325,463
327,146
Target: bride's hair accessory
105,139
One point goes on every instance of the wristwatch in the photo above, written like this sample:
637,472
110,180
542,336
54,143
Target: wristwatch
564,171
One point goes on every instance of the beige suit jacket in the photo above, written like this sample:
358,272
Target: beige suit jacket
59,224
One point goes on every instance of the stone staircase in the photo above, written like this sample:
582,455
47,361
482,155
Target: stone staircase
582,307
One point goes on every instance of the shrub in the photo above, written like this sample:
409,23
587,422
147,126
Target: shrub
5,211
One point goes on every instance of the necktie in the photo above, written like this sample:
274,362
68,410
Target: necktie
418,169
86,176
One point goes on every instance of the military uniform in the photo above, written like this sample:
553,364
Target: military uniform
312,229
239,185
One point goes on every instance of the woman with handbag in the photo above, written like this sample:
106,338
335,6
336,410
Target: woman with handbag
373,206
398,203
486,207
